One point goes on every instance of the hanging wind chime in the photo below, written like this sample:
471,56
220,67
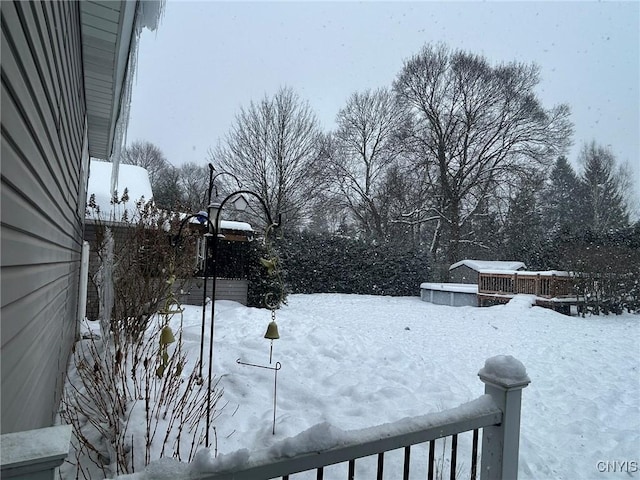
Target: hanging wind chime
273,299
272,331
272,302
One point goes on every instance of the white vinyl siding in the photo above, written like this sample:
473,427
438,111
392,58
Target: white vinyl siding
43,119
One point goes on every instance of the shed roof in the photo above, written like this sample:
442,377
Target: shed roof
479,265
224,224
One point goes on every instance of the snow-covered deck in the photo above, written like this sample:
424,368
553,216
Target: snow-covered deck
551,289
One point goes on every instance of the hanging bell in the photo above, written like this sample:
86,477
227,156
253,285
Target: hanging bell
272,331
166,336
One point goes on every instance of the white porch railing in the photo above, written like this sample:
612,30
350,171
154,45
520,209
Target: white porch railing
34,454
497,413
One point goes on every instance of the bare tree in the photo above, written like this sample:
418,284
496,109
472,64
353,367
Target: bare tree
167,193
273,149
193,180
363,149
146,155
475,126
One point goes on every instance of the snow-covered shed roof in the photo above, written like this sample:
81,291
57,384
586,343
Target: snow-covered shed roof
134,179
481,265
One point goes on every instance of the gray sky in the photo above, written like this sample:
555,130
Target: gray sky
209,58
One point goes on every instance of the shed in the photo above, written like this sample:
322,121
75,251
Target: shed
231,281
466,271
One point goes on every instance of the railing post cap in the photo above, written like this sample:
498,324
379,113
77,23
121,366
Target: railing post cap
29,452
504,371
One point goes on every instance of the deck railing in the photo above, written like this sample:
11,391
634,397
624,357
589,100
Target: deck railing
546,285
34,454
497,414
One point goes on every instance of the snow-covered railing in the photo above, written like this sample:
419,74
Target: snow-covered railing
497,412
549,284
34,454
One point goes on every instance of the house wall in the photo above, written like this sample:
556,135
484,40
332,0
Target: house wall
43,182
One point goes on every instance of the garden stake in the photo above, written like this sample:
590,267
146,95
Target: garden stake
275,369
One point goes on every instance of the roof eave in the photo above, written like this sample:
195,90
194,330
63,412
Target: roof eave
107,37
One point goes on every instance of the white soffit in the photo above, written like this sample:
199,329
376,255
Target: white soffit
107,31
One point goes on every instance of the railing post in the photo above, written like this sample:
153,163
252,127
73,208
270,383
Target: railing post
504,378
34,454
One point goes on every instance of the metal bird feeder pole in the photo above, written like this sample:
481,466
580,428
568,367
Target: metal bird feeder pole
216,234
211,230
209,227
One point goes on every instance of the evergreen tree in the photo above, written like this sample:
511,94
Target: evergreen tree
603,187
562,200
523,230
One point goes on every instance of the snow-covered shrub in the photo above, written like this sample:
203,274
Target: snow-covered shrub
142,258
135,368
265,274
133,402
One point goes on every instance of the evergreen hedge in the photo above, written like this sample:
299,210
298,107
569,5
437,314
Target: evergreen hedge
607,269
323,263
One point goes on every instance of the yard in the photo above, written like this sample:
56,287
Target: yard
360,361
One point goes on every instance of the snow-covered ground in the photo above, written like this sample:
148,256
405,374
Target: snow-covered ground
359,361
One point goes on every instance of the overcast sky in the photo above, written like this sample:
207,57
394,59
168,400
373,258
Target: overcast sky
209,58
